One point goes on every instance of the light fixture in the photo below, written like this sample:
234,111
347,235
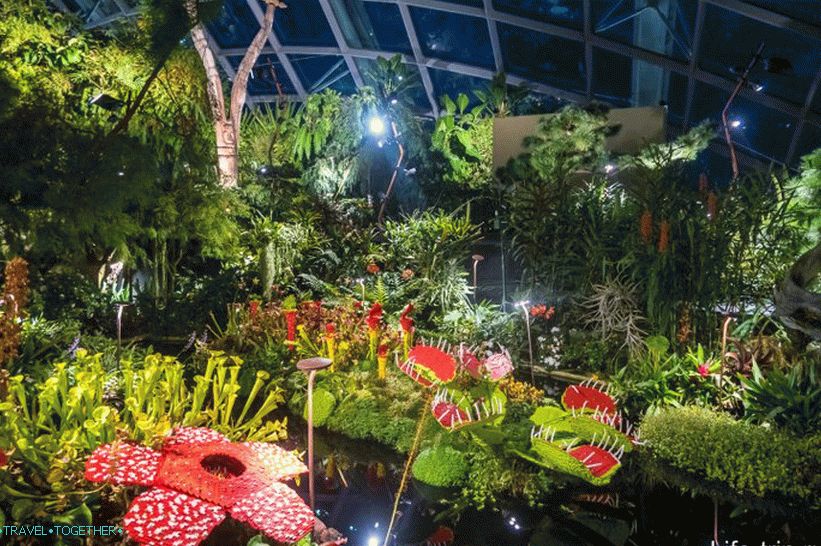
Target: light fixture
735,124
376,125
106,102
373,541
609,168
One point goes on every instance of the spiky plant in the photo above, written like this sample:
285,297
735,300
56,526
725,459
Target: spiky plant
612,310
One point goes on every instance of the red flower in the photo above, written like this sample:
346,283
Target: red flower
405,320
703,370
253,308
373,269
330,329
542,311
357,304
290,321
374,317
197,479
383,350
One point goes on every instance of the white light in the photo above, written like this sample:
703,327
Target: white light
394,101
121,173
758,87
376,125
735,124
373,541
609,168
523,303
376,525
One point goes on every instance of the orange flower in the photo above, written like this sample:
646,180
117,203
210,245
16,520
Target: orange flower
646,226
373,269
407,274
703,183
664,236
712,205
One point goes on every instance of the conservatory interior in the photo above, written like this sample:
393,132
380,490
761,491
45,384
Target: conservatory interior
410,272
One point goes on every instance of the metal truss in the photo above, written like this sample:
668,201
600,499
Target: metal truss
802,114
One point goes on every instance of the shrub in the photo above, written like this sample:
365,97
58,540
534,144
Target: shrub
754,462
441,466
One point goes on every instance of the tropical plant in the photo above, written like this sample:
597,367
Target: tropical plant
465,139
790,400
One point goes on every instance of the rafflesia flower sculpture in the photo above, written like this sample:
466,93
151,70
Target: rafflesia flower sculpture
197,479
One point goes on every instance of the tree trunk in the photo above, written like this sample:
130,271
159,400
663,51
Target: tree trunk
797,307
227,125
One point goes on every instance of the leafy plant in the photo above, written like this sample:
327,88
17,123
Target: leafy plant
790,400
465,139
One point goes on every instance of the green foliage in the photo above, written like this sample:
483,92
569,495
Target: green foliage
441,466
465,139
476,323
752,461
549,188
433,246
790,400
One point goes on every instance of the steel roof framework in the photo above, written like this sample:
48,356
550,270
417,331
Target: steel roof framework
802,114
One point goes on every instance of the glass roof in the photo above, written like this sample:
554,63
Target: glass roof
685,54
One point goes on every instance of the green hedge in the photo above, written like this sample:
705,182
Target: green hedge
753,463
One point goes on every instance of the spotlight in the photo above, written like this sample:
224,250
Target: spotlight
106,102
410,172
757,87
735,124
373,541
609,168
376,125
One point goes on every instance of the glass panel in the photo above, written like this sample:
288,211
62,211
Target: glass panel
318,72
235,26
767,132
808,141
372,25
453,37
303,23
612,77
472,3
265,76
676,99
663,27
451,84
567,13
730,41
542,58
803,10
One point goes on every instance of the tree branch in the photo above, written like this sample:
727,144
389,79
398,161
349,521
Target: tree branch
216,98
239,90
